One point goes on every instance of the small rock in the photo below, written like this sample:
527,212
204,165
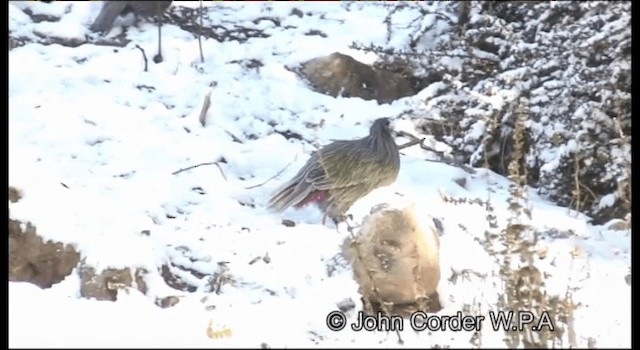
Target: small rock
627,279
14,194
288,223
346,305
438,223
297,12
168,301
461,181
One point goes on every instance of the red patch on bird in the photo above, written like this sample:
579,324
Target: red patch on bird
314,197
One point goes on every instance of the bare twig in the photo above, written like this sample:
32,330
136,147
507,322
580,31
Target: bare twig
616,121
205,109
414,141
233,137
443,159
411,143
144,56
157,58
576,191
274,176
464,273
200,33
408,135
379,49
216,163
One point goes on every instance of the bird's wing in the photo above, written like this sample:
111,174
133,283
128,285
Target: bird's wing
149,8
108,14
341,166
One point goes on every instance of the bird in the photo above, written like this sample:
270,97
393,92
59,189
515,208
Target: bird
340,173
112,9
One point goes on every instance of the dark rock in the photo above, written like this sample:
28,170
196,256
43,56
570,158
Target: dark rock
33,260
341,75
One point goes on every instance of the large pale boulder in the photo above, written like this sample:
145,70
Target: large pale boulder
396,261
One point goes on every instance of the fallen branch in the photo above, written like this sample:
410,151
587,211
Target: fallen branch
144,56
205,109
443,159
274,176
410,143
414,141
201,164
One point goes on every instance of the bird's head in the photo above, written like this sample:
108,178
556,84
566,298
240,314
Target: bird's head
381,127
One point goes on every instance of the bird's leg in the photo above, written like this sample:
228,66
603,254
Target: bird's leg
350,227
344,219
158,57
337,223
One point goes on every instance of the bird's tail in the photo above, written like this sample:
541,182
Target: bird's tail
108,15
292,193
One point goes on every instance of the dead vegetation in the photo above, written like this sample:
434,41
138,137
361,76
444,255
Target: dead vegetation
516,249
188,19
576,138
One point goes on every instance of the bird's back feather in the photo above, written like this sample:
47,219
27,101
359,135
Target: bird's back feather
110,11
296,190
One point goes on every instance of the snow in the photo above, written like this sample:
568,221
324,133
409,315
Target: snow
432,90
608,200
94,142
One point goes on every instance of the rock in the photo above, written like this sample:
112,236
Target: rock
14,194
105,285
33,260
339,74
618,225
627,278
168,301
288,223
396,261
346,305
174,281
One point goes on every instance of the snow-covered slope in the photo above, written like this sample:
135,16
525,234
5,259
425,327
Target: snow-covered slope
94,142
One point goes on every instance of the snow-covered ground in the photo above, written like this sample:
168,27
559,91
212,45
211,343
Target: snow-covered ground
89,118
